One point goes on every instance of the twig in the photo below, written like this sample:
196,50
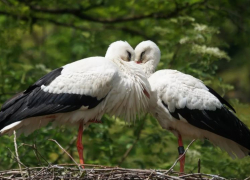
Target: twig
109,173
39,172
150,175
69,146
247,178
66,153
199,174
199,166
180,157
16,151
37,153
16,158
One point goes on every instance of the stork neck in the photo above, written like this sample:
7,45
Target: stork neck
124,66
148,68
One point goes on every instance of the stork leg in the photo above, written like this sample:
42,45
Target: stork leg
79,144
181,152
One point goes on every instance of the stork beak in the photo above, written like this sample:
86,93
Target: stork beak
146,93
138,62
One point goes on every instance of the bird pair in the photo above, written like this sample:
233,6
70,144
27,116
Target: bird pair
81,92
185,106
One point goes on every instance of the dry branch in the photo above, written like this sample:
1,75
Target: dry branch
170,169
65,152
16,151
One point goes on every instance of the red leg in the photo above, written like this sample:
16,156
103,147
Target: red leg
79,144
181,151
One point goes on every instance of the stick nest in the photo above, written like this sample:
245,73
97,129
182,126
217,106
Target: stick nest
71,171
75,171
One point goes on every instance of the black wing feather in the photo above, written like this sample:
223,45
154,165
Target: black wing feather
221,99
35,102
221,122
174,114
45,80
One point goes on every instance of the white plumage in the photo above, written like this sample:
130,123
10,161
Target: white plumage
119,83
188,108
80,92
179,90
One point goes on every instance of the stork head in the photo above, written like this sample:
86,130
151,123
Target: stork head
121,50
147,52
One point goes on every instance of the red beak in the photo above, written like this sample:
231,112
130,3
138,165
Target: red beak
138,62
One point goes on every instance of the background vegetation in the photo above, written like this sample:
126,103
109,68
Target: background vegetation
208,39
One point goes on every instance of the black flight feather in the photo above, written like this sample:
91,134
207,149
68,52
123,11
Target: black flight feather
35,102
221,99
220,121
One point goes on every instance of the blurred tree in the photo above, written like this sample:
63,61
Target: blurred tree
195,37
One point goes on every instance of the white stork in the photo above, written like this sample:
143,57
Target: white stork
80,93
185,106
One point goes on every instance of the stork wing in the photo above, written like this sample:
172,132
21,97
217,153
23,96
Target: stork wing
82,83
186,90
187,98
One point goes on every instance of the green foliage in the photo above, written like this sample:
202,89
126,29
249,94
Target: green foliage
195,37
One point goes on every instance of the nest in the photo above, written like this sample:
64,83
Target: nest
71,171
89,172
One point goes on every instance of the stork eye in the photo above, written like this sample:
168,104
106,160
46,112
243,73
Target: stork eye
142,54
129,56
